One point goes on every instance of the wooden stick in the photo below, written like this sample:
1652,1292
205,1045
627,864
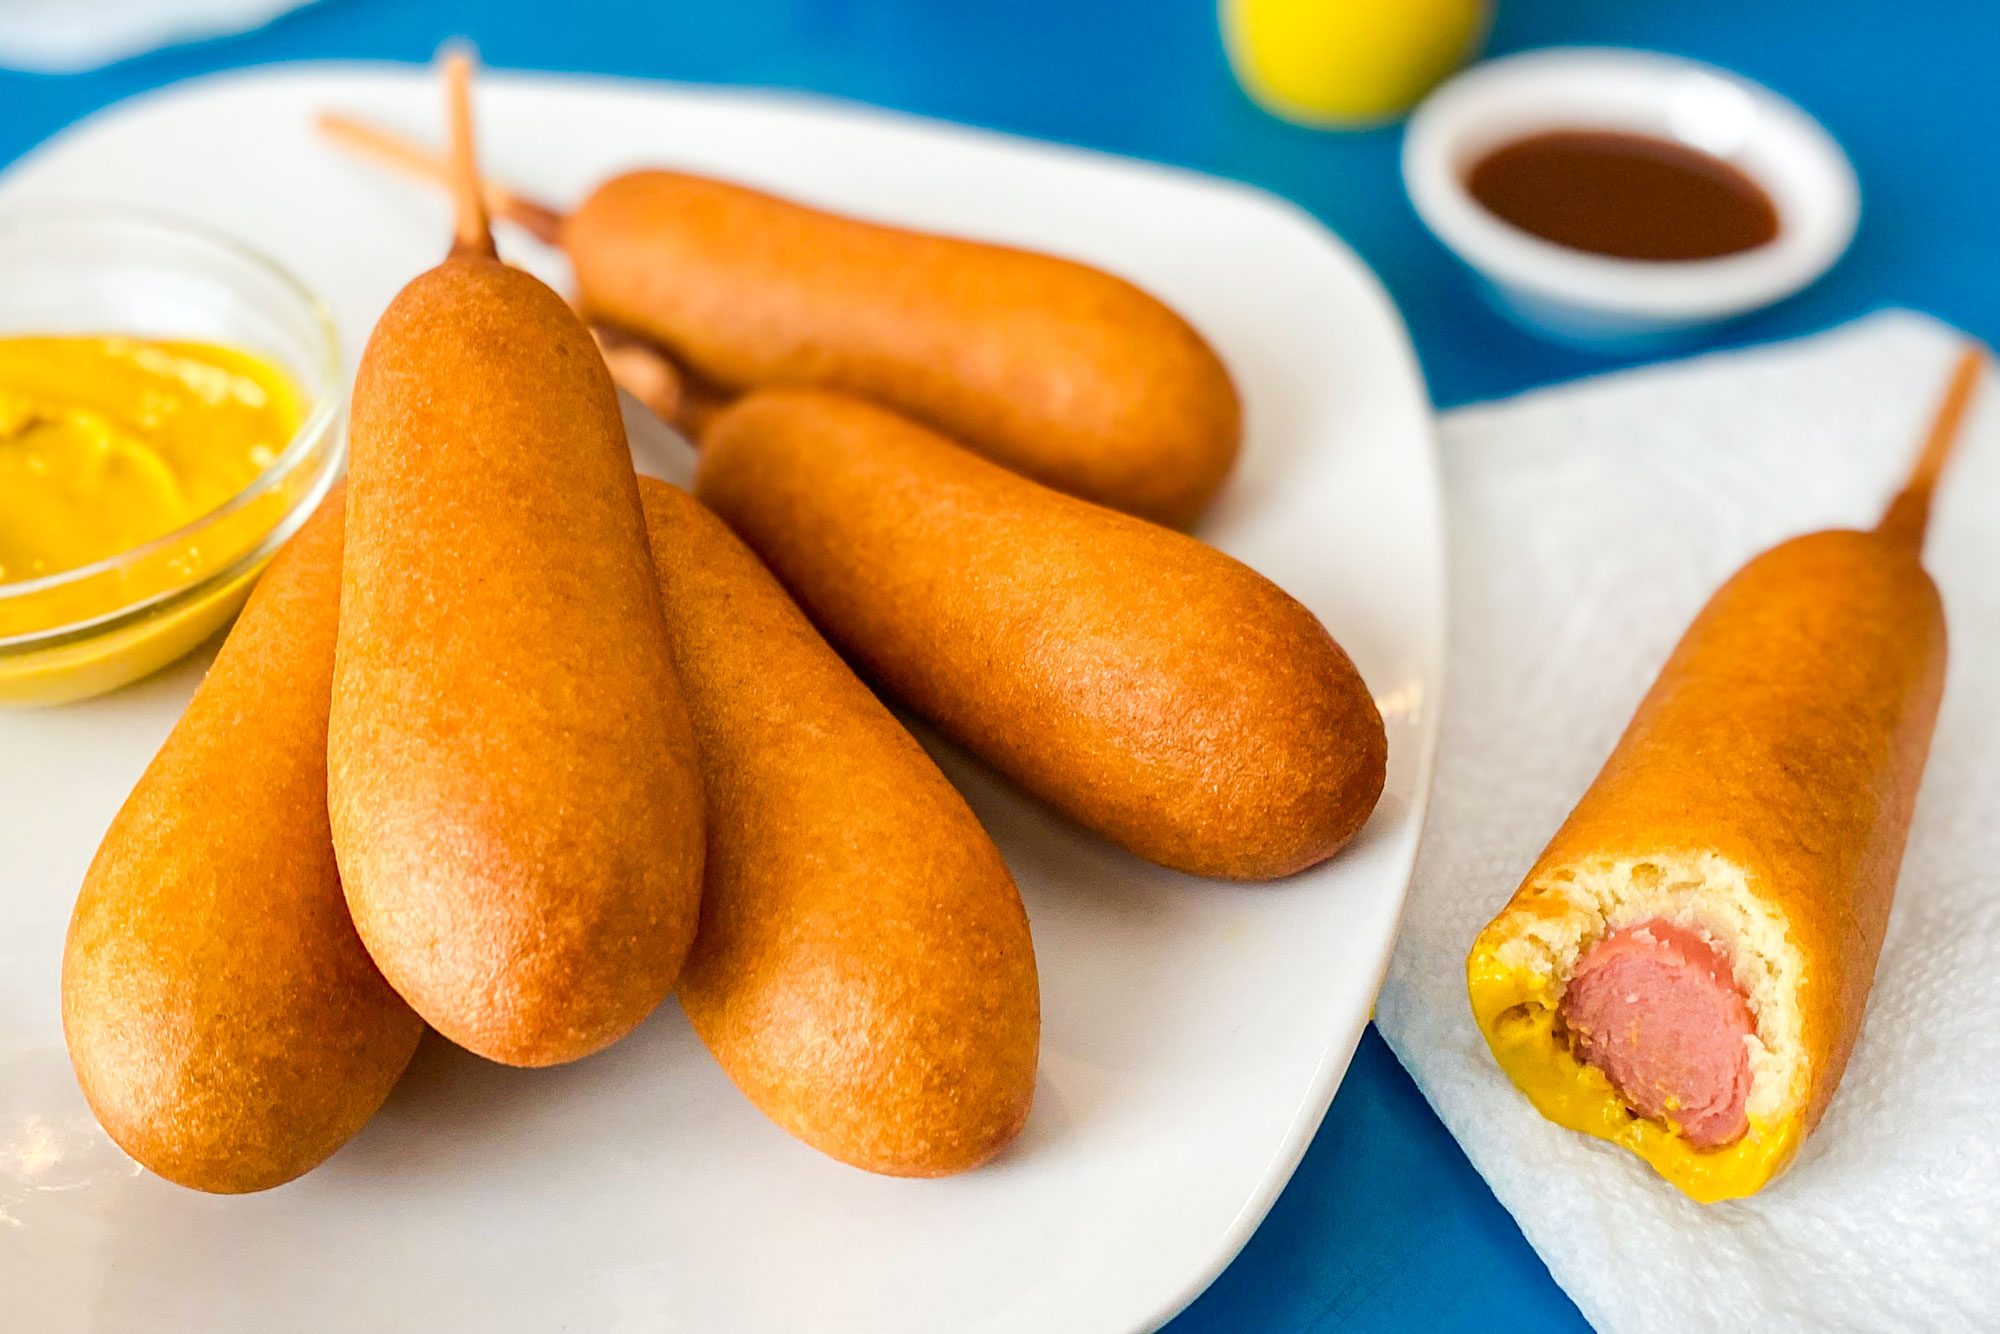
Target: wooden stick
641,371
1909,514
378,145
645,371
472,234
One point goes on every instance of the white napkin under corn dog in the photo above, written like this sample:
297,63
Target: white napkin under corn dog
1588,525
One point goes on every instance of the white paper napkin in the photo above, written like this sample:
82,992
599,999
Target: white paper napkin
62,36
1588,525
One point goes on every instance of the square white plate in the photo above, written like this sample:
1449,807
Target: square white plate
1194,1032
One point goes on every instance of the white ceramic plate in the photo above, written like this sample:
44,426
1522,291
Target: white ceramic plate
1194,1032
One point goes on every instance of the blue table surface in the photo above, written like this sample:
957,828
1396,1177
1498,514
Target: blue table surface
1385,1226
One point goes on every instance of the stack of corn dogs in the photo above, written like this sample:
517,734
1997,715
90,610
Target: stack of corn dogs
511,744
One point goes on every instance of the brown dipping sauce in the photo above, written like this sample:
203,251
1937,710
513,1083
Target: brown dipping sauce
1627,195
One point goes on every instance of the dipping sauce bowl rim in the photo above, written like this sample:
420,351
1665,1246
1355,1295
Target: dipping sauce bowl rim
1550,89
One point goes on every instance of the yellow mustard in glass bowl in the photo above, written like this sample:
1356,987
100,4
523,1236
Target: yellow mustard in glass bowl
168,417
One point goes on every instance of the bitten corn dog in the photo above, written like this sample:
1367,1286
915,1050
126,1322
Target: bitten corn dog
1684,970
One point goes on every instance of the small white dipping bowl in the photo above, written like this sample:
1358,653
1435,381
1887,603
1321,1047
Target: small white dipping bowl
1600,301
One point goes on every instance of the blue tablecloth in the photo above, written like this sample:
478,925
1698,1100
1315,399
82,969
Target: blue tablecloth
1385,1227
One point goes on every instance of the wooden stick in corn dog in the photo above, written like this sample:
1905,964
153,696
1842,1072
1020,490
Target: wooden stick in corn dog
1684,970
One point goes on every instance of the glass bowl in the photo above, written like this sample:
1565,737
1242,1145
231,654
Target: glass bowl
98,271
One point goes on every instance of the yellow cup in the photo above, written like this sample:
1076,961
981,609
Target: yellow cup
1348,64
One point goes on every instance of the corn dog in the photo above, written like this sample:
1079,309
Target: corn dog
1057,370
1684,970
512,779
863,970
226,1025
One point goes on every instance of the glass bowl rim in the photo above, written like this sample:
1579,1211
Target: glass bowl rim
314,427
